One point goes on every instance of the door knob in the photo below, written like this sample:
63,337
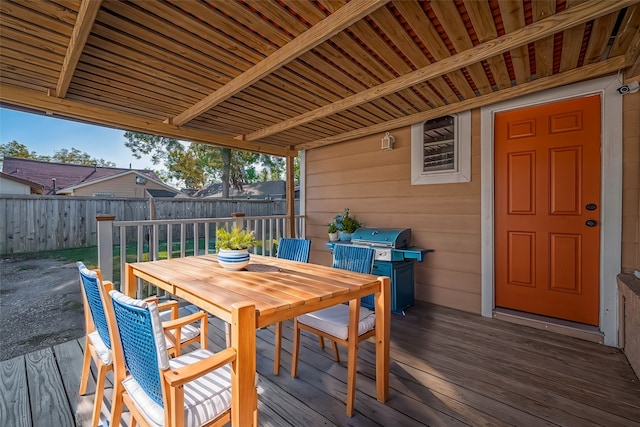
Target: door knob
591,223
591,207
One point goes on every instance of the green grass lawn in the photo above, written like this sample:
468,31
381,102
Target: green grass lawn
89,255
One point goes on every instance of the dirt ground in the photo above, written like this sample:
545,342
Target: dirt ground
40,305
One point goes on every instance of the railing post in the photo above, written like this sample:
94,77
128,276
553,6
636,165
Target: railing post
239,221
105,245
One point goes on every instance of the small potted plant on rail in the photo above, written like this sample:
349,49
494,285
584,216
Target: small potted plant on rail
233,247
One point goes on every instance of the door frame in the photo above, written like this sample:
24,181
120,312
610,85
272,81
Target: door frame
611,192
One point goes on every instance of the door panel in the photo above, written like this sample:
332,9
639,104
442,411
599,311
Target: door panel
547,169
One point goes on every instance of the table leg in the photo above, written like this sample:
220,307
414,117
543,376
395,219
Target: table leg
383,337
244,399
129,287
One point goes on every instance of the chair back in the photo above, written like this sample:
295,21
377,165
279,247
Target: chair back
294,249
90,283
143,344
358,259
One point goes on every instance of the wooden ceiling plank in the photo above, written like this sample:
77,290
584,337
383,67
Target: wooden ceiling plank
451,21
426,32
632,56
18,60
250,19
276,13
128,71
329,88
32,32
318,93
629,28
558,22
576,75
542,9
392,28
300,96
86,15
571,42
600,33
53,18
306,41
512,14
127,59
482,20
221,64
216,34
71,109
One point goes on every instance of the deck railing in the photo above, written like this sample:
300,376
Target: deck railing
120,242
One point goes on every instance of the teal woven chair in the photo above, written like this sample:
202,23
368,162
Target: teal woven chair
193,389
333,322
294,250
97,341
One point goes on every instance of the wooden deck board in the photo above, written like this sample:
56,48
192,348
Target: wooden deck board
14,404
448,368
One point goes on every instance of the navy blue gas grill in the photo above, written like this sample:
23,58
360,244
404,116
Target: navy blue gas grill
394,258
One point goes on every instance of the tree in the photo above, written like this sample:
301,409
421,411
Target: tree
77,157
197,164
71,157
15,149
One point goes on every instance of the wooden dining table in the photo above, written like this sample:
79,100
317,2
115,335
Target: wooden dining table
267,291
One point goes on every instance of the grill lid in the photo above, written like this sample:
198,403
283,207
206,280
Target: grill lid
385,237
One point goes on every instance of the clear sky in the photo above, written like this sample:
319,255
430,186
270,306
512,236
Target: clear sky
45,135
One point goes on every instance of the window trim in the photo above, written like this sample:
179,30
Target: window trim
462,154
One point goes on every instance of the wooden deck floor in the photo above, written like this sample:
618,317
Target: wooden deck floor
448,368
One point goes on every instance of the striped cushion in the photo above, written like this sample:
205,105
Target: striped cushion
101,349
186,333
204,398
334,320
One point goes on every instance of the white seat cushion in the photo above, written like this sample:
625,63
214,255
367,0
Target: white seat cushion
101,349
204,399
334,320
187,332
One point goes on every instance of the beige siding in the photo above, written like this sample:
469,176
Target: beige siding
376,186
631,183
123,186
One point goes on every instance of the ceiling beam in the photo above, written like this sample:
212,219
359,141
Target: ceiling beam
323,30
559,22
633,56
11,96
598,69
81,30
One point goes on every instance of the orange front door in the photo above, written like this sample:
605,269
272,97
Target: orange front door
547,209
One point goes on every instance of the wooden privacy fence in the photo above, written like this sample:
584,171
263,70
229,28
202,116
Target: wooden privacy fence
39,223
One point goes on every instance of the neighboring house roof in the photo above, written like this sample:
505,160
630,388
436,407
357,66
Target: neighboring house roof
35,187
70,190
162,193
65,175
270,189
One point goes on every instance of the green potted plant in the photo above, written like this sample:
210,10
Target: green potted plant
233,247
333,231
346,225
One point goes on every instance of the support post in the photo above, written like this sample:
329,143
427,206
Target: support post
291,198
105,245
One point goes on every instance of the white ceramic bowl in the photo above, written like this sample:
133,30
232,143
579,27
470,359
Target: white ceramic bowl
232,259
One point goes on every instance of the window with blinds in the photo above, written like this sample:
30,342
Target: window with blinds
441,150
